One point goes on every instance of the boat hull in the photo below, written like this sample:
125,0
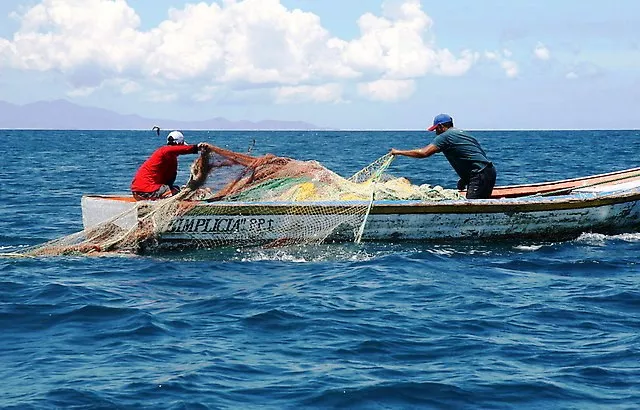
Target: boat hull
616,209
415,222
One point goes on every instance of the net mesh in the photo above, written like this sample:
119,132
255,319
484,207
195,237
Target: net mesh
242,200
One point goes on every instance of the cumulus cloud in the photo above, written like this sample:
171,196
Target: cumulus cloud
81,92
387,90
207,93
238,45
5,51
510,67
329,93
541,52
159,96
450,65
127,86
68,35
584,70
395,48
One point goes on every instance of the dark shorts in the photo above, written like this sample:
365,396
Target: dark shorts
481,183
165,191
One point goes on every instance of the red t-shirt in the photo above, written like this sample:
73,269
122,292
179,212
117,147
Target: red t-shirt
161,168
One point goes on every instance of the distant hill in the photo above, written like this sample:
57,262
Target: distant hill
62,114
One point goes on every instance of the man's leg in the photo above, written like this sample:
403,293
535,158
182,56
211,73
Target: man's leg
481,183
163,192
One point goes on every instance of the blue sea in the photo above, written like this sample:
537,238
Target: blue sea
526,325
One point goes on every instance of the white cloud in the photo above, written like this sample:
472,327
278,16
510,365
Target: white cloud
67,35
159,96
124,86
329,93
541,52
128,87
451,66
207,93
571,76
238,45
387,90
81,92
491,55
510,67
6,50
395,48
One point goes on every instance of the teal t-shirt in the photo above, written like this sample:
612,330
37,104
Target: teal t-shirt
462,150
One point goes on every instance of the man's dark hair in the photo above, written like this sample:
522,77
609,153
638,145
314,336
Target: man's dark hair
448,124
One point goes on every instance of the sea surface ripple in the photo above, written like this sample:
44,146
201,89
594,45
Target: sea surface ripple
371,326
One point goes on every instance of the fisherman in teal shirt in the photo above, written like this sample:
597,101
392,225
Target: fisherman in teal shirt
463,152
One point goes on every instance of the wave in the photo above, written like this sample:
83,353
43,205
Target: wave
601,239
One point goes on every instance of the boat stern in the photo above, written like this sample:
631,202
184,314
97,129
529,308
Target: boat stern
118,209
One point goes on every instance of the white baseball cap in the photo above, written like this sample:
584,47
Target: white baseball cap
175,136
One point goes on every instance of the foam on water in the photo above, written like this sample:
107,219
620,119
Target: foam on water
601,239
528,248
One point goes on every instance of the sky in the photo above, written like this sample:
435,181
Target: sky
347,64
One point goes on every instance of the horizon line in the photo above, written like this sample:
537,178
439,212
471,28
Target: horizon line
320,129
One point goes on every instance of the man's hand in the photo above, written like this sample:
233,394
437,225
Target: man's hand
203,146
393,151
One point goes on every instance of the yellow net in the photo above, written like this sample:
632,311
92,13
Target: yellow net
242,200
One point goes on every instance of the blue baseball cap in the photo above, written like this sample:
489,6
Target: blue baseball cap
440,119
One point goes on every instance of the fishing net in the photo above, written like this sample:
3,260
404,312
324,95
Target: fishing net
242,200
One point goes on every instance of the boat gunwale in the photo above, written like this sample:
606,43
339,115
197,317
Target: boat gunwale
496,204
541,204
608,174
508,205
519,191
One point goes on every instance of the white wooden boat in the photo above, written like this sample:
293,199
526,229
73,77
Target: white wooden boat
607,203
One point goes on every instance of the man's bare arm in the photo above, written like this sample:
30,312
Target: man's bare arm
423,152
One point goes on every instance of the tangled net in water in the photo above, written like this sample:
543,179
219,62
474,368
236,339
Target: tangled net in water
221,180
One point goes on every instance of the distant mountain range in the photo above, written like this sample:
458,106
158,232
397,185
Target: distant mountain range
61,114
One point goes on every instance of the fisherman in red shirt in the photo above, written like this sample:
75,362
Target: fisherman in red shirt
155,178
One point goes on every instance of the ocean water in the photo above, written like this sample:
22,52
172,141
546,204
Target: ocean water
371,326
